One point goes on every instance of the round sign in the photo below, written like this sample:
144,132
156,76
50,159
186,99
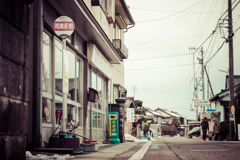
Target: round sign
63,26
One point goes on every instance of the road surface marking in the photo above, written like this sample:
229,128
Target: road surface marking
154,146
139,154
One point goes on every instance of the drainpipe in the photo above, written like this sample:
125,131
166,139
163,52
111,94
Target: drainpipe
36,68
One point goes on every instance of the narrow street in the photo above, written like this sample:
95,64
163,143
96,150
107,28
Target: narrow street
169,148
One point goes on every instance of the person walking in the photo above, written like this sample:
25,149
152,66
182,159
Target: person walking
205,128
216,128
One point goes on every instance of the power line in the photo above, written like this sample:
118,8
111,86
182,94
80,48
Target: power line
158,57
170,11
170,15
166,40
159,67
216,52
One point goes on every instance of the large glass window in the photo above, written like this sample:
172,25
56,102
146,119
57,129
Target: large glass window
71,75
58,68
46,64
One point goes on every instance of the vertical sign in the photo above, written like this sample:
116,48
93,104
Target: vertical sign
113,127
195,102
130,114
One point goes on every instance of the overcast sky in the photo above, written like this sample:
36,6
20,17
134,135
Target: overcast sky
160,62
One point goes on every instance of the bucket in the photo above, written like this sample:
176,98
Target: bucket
89,147
142,137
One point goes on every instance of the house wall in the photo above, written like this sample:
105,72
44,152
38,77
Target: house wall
14,32
219,108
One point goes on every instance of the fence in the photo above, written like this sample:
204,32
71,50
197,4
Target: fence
169,129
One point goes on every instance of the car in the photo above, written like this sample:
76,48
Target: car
196,131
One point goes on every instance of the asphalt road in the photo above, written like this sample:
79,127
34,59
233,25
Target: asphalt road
177,148
167,148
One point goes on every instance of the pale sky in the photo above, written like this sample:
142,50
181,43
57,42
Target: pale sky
160,41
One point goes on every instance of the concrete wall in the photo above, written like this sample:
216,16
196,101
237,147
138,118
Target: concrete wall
14,24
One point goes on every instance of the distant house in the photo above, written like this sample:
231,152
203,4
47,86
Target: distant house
152,115
168,115
221,99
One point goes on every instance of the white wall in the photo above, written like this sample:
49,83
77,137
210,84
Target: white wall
219,108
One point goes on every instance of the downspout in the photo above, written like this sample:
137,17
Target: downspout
36,105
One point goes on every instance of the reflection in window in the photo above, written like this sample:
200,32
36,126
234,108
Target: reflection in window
46,64
58,112
71,75
99,81
70,113
80,44
46,110
94,118
79,123
58,68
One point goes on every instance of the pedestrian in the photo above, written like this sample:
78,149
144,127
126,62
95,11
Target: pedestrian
216,128
205,128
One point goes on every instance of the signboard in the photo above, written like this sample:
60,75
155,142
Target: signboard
203,102
113,127
63,26
130,114
209,111
195,102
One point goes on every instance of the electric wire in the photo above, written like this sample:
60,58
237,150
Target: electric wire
169,15
159,57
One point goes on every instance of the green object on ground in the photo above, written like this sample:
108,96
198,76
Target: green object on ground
113,127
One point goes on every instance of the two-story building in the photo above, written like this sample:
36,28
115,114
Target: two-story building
95,59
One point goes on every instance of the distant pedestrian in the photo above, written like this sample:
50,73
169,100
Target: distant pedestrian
216,128
205,128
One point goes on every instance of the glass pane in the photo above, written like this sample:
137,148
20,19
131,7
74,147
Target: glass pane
58,68
58,111
100,120
46,110
80,44
46,64
71,75
79,123
99,86
51,16
78,80
69,38
94,79
70,113
94,117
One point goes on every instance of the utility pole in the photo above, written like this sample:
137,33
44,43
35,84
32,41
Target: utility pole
231,75
203,95
208,90
197,99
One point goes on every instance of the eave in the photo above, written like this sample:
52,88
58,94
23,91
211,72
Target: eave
88,27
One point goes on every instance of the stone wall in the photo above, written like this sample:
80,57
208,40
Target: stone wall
14,24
